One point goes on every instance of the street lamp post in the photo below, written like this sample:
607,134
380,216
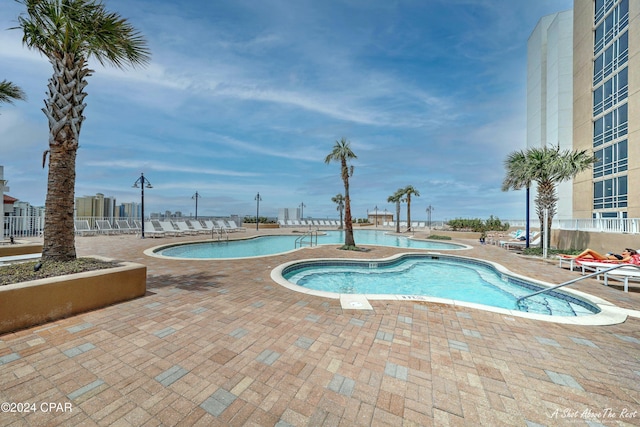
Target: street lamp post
144,182
257,199
196,196
376,209
302,206
429,210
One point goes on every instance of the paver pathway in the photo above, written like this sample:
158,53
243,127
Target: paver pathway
218,343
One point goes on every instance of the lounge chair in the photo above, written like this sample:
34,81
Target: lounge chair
197,226
521,243
104,227
233,227
13,259
83,228
123,226
184,228
623,274
153,230
282,223
167,227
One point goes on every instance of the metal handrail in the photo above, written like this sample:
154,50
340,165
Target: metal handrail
309,233
219,231
596,273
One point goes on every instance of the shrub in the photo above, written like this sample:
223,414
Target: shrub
437,237
477,224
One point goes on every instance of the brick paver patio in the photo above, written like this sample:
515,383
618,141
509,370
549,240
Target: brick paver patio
219,343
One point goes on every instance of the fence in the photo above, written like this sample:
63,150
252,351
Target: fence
33,226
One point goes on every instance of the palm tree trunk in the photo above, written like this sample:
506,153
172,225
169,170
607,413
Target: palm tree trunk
348,236
59,233
64,109
398,216
408,213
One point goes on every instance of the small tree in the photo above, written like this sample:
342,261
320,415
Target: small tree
339,200
396,198
342,153
547,166
407,192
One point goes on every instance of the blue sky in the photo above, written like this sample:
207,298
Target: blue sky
246,96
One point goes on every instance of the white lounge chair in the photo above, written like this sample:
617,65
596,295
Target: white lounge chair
153,230
197,226
167,228
83,228
104,227
184,228
233,227
123,226
623,274
13,259
521,243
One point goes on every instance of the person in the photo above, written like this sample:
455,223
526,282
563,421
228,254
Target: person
591,254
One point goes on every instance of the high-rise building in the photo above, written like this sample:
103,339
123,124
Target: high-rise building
96,206
590,56
550,94
606,111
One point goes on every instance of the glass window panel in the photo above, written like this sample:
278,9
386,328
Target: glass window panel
598,191
608,187
622,114
622,150
623,78
622,185
623,42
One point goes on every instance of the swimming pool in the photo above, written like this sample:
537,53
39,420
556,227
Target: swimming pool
277,244
437,278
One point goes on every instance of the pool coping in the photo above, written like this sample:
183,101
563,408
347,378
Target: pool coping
609,314
153,251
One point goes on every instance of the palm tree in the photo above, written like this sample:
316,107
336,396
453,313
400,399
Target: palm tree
339,200
547,167
342,153
407,192
10,92
68,33
396,198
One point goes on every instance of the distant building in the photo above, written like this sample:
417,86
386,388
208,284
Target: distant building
289,214
96,206
379,218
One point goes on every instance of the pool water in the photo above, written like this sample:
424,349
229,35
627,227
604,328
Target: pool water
450,278
271,245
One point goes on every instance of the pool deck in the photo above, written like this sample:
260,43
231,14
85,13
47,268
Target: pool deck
218,343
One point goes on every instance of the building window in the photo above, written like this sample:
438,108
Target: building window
611,160
611,126
611,92
613,58
612,25
602,7
610,193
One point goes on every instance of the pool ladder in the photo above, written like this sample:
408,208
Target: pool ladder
219,232
598,272
310,234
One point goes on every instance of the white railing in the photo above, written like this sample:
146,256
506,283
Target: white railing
33,226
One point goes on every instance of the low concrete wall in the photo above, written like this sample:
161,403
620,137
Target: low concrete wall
20,249
252,226
26,304
598,241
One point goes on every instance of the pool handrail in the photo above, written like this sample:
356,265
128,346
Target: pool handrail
598,272
309,233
